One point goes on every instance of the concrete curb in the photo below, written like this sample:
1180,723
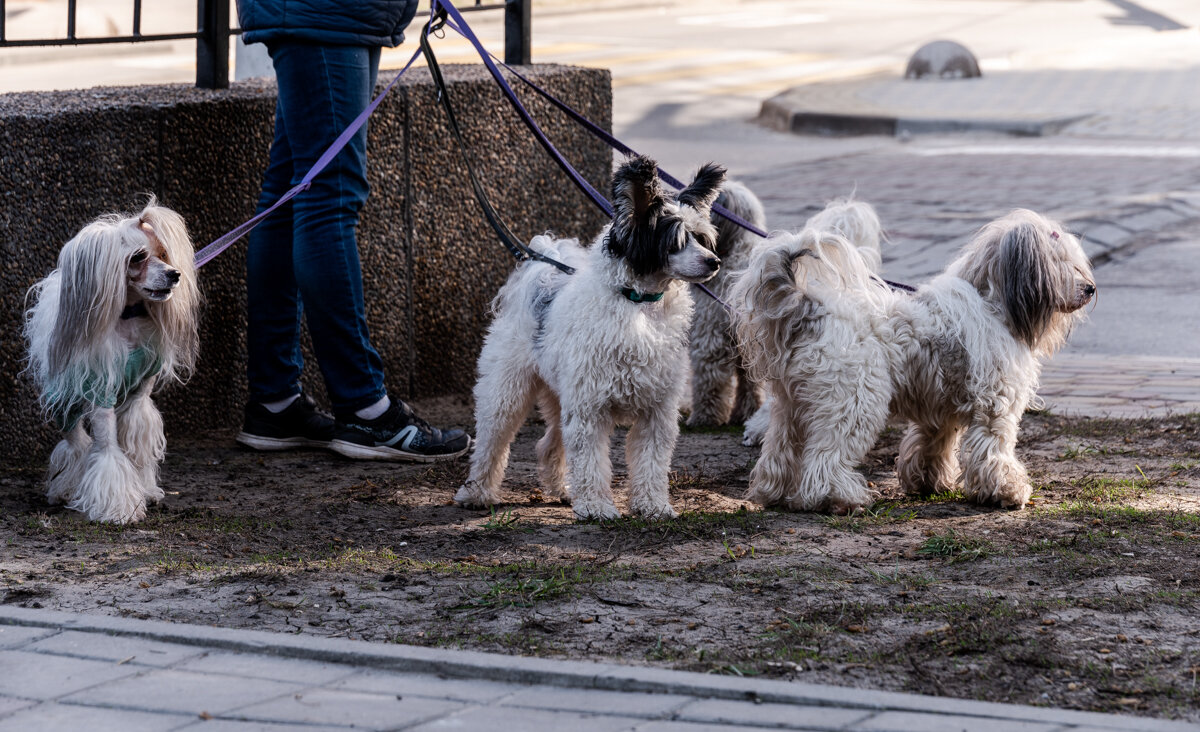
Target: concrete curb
779,113
566,674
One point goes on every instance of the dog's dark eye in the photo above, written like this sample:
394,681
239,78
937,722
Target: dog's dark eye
137,258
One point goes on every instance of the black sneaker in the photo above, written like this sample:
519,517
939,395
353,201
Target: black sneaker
397,434
302,424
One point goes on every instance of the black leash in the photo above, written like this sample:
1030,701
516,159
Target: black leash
511,241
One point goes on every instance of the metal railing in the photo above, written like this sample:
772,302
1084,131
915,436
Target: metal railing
213,32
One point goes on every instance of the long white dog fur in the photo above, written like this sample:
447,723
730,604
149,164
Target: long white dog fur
859,224
722,390
959,359
116,317
605,346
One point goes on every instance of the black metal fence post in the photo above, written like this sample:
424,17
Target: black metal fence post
212,46
517,31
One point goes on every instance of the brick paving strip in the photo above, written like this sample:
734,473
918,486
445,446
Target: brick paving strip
1121,386
66,671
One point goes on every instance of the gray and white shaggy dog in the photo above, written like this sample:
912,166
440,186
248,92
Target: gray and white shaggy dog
722,390
959,359
859,224
605,346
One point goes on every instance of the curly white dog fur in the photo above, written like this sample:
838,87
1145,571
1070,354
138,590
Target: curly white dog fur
117,316
959,359
722,391
859,224
604,346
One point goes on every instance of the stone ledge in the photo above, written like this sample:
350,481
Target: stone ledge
431,265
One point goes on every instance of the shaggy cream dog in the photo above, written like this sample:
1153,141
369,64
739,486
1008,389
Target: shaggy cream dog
959,359
604,346
859,224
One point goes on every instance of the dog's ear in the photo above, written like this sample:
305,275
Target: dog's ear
177,318
704,188
637,204
93,267
1027,281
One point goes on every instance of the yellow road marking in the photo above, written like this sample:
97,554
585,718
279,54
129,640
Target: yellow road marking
691,72
757,87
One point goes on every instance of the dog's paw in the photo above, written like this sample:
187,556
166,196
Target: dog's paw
655,512
751,437
153,494
595,511
473,495
1014,496
845,508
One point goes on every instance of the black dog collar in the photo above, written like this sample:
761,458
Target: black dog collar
136,310
639,297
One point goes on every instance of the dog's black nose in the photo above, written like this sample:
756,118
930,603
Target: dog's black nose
1089,289
713,263
173,275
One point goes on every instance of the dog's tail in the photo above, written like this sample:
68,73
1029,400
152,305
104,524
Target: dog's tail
740,201
858,222
787,292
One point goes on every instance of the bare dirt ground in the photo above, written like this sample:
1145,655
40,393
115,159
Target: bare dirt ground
1087,599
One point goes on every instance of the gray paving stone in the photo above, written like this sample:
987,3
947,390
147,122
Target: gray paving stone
599,702
296,670
657,726
51,717
15,636
1105,234
1156,219
114,648
916,722
350,708
8,704
490,719
786,716
41,676
472,690
228,725
183,691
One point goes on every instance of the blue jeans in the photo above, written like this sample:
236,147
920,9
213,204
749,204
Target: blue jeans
304,257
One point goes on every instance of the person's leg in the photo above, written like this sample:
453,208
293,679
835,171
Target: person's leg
322,89
272,299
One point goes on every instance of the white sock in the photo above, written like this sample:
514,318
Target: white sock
374,410
282,404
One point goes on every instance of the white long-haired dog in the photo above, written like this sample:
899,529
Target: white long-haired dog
722,391
959,359
116,317
604,346
859,224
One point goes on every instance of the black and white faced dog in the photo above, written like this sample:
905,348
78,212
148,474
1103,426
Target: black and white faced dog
602,347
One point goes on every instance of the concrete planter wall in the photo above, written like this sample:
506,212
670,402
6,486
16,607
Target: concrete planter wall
431,264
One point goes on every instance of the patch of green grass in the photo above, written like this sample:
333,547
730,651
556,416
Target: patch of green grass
955,548
1110,490
954,494
506,519
516,591
880,514
908,580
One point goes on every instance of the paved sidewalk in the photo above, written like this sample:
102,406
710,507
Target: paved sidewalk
1121,386
63,671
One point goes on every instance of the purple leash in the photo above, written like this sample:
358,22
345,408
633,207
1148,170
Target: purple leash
205,255
619,146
